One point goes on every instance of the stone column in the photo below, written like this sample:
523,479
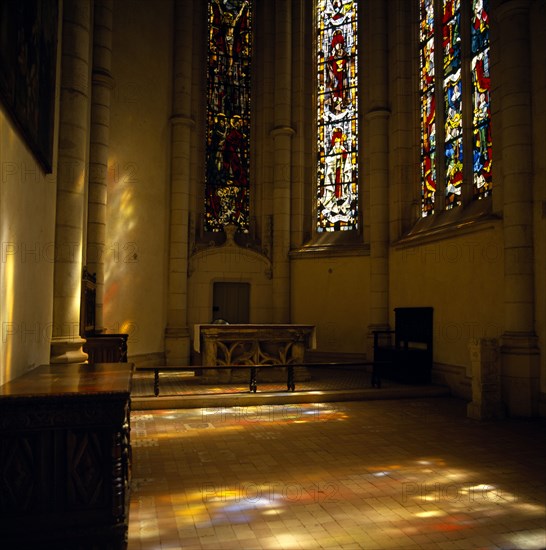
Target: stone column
302,88
486,380
66,344
520,359
378,120
405,210
177,341
282,139
102,84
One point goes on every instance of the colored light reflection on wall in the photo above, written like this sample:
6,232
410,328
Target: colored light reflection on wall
7,279
120,251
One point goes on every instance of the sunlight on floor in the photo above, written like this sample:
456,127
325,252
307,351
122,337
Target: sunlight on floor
302,476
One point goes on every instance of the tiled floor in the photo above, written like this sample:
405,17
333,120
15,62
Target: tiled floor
409,473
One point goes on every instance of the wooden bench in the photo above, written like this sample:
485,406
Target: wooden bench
404,354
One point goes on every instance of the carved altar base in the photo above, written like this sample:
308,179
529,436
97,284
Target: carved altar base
259,344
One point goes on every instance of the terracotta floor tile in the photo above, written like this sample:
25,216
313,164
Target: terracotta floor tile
363,474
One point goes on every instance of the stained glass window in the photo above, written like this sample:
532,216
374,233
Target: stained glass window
337,116
453,104
227,178
481,104
457,131
428,107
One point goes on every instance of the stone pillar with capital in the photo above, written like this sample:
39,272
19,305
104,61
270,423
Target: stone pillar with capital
282,138
519,350
378,120
102,83
177,339
66,343
486,380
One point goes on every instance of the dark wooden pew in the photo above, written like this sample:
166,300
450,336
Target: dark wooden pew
404,354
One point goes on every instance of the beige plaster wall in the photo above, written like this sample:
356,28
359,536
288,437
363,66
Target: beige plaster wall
461,278
228,263
138,174
27,238
332,293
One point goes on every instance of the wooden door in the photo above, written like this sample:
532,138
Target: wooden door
231,302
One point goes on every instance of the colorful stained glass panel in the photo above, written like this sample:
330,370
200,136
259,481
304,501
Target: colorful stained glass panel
428,151
227,177
428,107
451,29
450,143
481,101
337,116
453,104
480,25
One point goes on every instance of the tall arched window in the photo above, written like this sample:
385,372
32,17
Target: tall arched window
227,178
449,31
337,115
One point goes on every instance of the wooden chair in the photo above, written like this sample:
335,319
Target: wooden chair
404,354
101,347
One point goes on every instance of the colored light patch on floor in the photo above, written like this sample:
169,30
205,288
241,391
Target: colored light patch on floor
374,475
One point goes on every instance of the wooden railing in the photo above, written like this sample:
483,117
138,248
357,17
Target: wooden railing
254,371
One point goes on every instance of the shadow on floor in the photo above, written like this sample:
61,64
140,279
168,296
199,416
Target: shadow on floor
183,389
